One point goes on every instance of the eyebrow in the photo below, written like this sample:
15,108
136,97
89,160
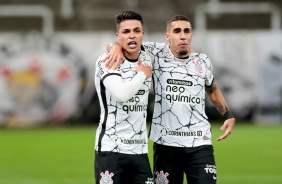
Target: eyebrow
179,29
136,28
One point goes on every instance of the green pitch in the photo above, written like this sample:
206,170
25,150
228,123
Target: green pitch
252,154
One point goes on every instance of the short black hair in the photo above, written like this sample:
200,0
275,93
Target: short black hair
176,18
127,15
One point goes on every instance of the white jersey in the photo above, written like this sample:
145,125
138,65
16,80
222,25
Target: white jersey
179,117
122,126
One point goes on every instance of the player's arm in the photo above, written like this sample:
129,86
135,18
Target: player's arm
220,104
123,91
115,56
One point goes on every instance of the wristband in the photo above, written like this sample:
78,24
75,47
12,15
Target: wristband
228,115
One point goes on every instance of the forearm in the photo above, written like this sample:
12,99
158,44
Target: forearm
219,102
123,91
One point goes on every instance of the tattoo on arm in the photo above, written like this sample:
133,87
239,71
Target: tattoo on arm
210,89
221,109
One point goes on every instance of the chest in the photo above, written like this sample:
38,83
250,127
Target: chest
128,71
186,69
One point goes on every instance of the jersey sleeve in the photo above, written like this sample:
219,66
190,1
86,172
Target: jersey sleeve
102,71
123,91
113,82
209,72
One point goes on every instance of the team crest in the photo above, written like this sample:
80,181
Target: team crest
106,178
198,66
164,131
118,140
161,178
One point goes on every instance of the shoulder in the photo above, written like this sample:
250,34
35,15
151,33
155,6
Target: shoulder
100,59
153,46
200,56
145,58
100,65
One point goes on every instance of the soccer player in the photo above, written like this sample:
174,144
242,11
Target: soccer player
180,128
121,144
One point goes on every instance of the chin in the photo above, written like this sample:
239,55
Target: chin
183,52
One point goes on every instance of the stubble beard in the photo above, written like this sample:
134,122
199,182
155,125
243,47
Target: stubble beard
183,53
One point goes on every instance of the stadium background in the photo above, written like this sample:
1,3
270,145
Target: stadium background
48,51
49,48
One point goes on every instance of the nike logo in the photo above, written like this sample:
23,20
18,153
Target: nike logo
214,177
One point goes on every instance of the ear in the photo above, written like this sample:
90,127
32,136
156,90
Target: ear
117,36
167,37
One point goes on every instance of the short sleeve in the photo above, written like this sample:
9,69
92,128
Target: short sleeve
209,72
103,72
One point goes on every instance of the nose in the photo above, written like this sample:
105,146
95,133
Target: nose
132,35
182,35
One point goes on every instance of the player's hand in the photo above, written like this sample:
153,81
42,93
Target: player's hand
227,126
144,68
114,58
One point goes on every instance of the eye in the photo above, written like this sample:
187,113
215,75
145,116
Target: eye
177,30
125,31
137,30
187,30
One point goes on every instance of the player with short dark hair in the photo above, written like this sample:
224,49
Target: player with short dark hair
121,144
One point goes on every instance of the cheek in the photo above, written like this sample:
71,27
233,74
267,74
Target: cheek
122,41
140,39
173,41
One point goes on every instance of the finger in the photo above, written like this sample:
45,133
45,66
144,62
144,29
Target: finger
120,59
111,60
110,63
222,137
107,57
116,64
222,127
225,135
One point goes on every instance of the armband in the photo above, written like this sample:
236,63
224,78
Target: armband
228,115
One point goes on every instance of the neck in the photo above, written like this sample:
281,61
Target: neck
131,56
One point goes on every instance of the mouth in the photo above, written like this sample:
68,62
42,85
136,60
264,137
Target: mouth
132,44
183,44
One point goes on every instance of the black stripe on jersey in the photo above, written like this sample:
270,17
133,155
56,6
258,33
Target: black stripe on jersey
104,101
210,85
153,80
109,75
142,48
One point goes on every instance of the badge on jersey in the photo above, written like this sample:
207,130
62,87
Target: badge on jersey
198,66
